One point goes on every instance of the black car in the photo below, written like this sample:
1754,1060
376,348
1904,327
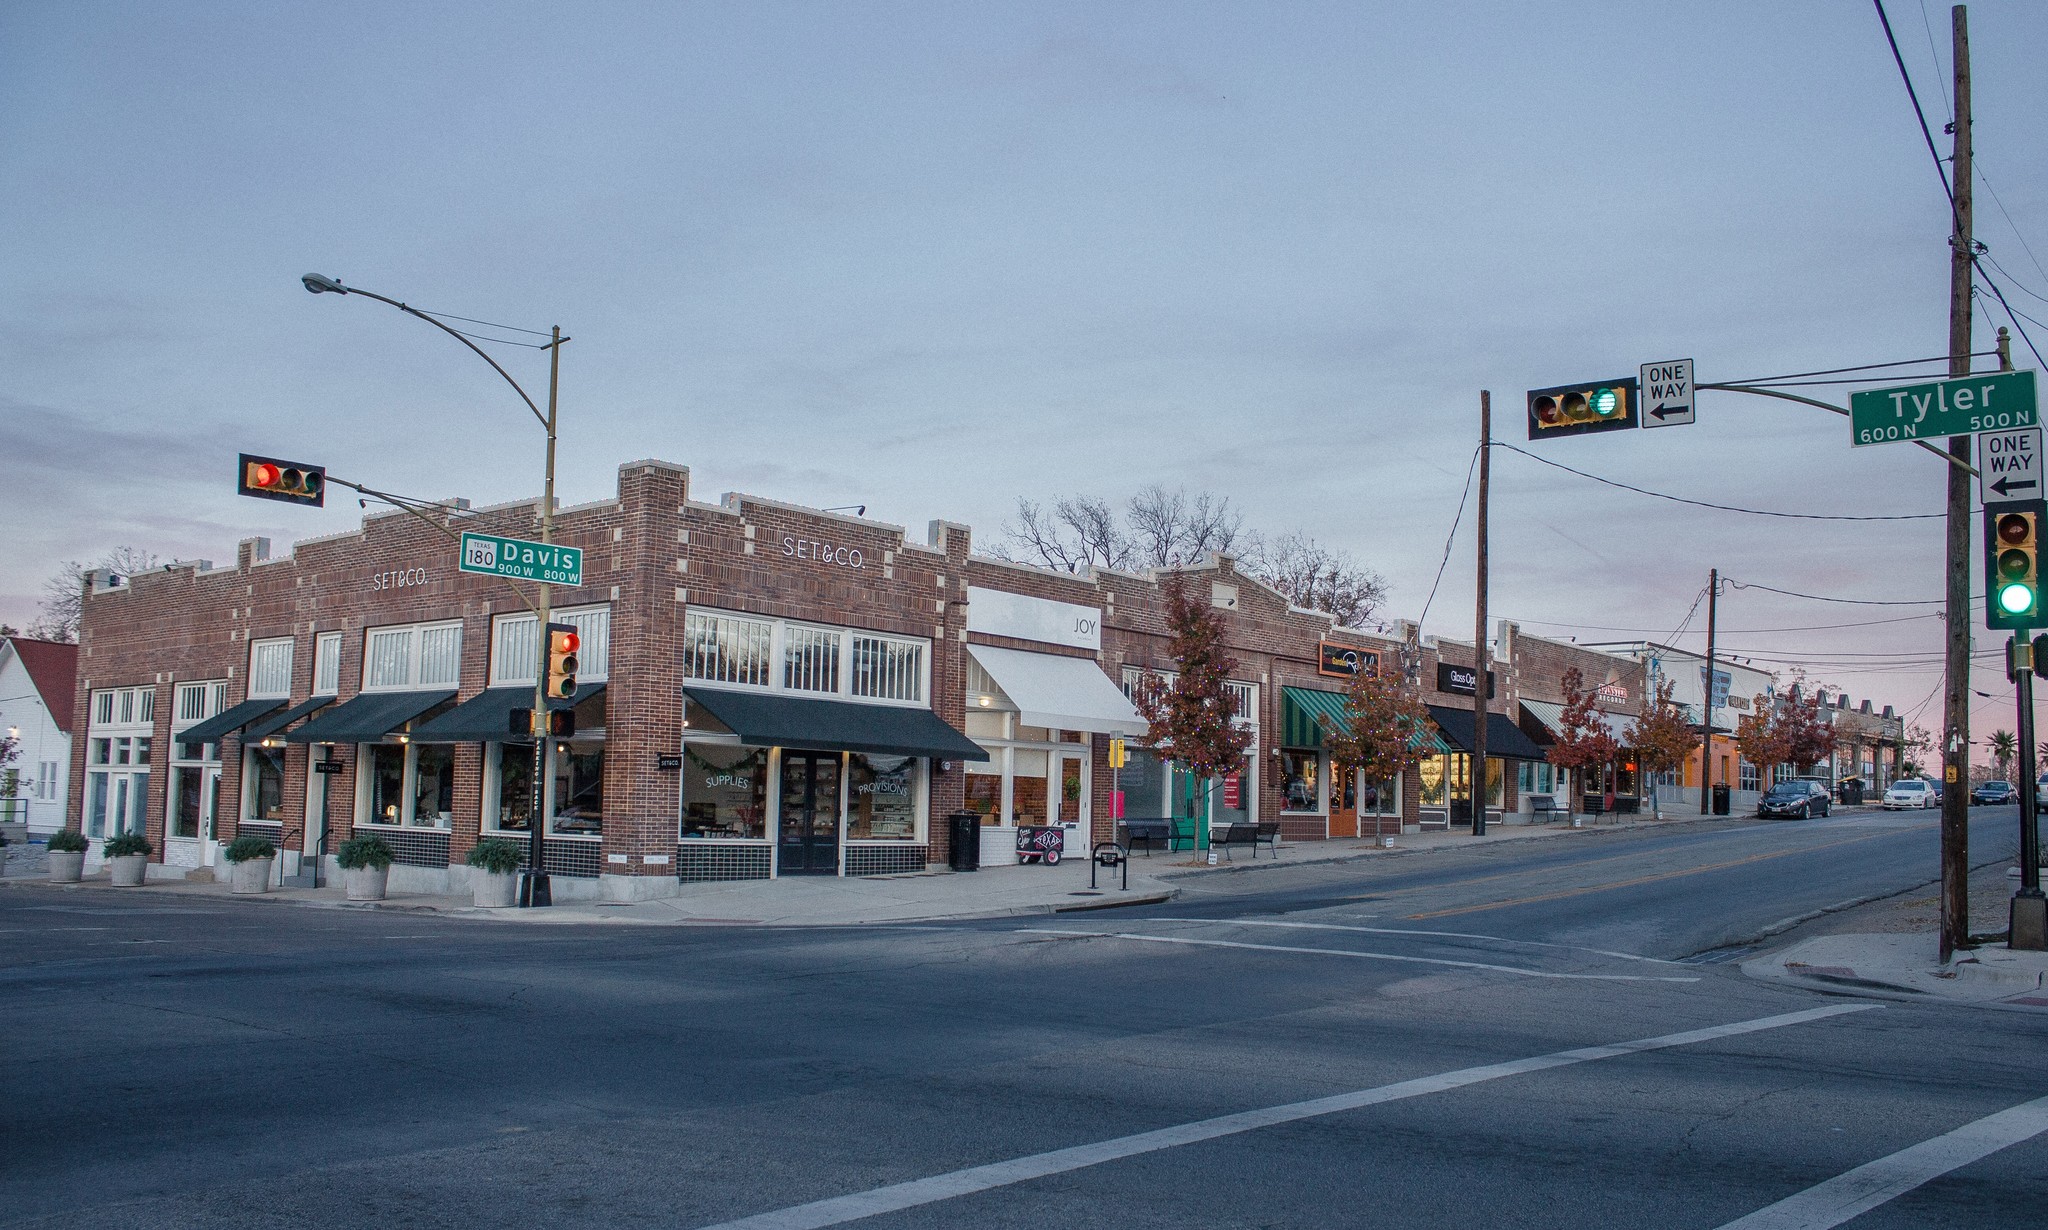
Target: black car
1994,793
1798,799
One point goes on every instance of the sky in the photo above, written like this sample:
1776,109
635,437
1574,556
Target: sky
931,258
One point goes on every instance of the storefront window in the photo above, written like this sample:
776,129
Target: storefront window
433,788
1536,777
1029,788
264,767
387,783
985,788
578,790
1143,781
725,791
1380,798
883,798
185,807
514,781
1299,788
1430,774
1231,802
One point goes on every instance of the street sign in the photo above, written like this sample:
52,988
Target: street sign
2009,467
1667,393
1994,401
520,559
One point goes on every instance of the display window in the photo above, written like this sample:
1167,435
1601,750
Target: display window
882,797
725,792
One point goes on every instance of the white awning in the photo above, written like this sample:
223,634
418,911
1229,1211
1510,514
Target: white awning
1069,693
1551,715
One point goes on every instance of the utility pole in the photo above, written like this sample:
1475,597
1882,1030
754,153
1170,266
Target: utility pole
536,890
1480,708
1707,701
1955,798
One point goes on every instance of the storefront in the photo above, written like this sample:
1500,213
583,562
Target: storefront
1615,787
1445,779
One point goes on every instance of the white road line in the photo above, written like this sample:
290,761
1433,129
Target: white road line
1456,935
1873,1183
839,1210
1362,956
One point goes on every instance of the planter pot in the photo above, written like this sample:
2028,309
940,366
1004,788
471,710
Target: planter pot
496,890
366,883
66,866
127,870
251,877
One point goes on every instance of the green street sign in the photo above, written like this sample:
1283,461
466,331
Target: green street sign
521,560
1995,401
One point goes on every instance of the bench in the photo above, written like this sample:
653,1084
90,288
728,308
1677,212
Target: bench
1147,831
1251,835
1544,806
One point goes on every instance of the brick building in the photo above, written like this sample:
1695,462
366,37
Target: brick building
765,690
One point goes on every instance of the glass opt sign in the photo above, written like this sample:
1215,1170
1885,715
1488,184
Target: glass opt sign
521,560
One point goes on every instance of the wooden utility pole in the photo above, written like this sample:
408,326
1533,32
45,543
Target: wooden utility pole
1707,700
1480,709
1955,752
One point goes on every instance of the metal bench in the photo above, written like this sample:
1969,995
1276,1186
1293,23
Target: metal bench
1146,831
1252,835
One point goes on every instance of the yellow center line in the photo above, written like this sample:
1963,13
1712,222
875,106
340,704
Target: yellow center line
1648,879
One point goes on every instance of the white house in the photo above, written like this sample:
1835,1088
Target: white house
37,685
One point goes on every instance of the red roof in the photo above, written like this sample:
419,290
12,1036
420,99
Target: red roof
54,669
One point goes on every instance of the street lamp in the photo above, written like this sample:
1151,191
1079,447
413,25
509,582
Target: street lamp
534,891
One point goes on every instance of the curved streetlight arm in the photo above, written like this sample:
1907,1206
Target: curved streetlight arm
1942,453
324,285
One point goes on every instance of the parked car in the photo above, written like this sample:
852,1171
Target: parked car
1799,799
1908,792
1994,793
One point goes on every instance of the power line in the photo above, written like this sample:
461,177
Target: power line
1679,499
1452,537
1790,593
1861,367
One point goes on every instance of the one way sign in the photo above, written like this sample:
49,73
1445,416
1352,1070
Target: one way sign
1667,393
2009,466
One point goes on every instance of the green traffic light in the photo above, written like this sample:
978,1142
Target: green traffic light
2016,598
1604,403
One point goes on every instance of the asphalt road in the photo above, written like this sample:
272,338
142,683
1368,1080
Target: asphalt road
1495,1036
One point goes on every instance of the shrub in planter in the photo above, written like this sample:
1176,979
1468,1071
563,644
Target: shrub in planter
67,856
498,860
127,854
366,864
250,857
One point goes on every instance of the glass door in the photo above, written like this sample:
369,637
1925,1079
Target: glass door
807,841
1343,801
1073,814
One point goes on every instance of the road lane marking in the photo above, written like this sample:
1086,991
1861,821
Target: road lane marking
1874,1183
1563,893
1456,935
838,1210
1341,952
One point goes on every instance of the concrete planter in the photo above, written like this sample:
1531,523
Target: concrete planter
367,883
66,866
496,891
252,876
127,869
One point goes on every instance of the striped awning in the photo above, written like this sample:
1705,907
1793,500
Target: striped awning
1305,713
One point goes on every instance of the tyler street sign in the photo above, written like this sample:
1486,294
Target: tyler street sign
1994,401
521,560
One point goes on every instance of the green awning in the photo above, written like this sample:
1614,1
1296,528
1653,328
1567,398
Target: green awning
1305,713
229,721
265,727
487,716
369,717
774,719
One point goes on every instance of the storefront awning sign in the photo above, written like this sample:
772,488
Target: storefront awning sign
1504,739
1551,715
1305,713
1060,692
263,728
369,717
229,721
768,719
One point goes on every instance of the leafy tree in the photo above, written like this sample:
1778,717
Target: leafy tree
1385,719
1192,718
2003,748
1662,738
64,592
1808,733
1583,740
1761,739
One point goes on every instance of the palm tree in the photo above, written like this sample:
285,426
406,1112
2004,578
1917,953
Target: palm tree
2003,748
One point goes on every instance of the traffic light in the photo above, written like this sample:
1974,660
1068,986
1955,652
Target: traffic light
562,646
1575,409
561,723
2040,655
2012,565
267,478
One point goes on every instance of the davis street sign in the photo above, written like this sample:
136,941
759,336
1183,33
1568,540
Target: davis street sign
521,560
2009,467
1667,393
1995,401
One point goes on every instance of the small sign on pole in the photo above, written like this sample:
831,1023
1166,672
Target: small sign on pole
1966,406
521,560
1667,393
2009,467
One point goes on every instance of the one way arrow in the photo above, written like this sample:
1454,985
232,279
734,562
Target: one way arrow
1665,412
2006,486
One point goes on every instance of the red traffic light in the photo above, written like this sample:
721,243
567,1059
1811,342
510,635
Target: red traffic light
2015,528
267,478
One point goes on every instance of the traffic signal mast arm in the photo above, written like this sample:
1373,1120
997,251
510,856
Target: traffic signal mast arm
406,504
1929,445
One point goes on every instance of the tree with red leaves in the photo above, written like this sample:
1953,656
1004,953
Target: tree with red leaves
1663,739
1583,739
1193,718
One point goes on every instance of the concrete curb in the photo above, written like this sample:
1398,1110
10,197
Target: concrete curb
1893,966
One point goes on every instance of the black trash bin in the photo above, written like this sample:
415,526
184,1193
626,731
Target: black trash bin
1720,799
964,834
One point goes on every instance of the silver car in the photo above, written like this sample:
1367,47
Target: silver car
1908,792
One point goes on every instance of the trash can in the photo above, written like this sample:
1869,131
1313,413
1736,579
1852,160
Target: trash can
964,835
1720,799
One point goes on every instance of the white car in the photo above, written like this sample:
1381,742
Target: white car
1908,792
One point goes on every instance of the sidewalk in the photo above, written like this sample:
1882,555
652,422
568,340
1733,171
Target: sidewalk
925,896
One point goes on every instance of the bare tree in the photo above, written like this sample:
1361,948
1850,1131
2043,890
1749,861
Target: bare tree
1321,578
63,594
1172,528
1076,532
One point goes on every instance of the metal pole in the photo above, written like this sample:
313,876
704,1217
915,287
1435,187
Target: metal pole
536,890
1707,700
1480,708
2028,923
1955,807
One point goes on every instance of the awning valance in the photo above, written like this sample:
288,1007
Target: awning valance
229,721
1504,739
368,717
263,728
1550,715
487,716
1067,693
1305,713
769,719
